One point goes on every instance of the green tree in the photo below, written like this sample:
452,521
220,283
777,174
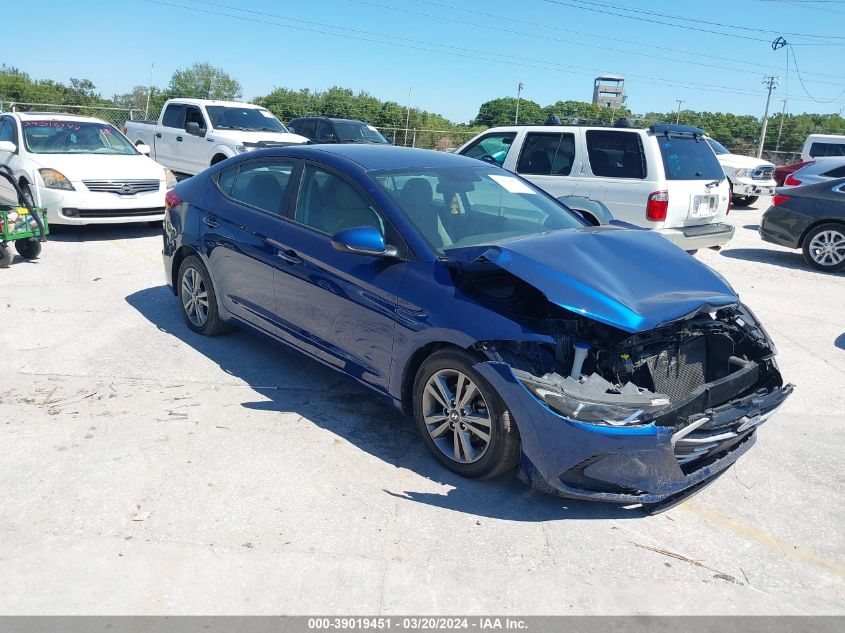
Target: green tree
503,112
204,81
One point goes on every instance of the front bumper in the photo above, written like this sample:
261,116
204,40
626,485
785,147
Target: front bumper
85,207
750,187
641,464
691,238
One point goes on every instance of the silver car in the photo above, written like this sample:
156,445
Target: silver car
819,170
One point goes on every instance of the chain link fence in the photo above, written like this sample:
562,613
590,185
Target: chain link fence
115,116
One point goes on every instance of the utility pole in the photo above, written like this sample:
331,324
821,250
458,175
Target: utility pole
518,94
407,118
780,129
678,116
149,92
771,81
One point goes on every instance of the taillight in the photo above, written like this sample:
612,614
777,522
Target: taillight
779,200
791,181
658,205
172,199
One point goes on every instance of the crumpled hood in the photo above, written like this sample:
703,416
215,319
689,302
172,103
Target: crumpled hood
633,280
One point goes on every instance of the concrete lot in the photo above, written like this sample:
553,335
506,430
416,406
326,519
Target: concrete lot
147,470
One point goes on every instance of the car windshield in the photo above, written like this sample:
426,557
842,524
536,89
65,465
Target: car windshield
467,206
250,119
74,137
688,158
357,132
718,147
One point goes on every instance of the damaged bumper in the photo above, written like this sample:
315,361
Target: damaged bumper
647,463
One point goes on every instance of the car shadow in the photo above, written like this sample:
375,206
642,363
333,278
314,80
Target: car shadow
290,382
840,341
102,232
752,227
787,259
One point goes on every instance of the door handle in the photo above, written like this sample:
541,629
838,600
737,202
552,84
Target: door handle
289,255
158,134
210,221
179,138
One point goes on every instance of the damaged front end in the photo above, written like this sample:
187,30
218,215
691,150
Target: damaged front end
645,416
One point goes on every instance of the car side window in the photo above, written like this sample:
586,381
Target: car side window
821,150
839,172
173,115
7,130
193,115
616,154
492,148
262,184
329,203
306,127
547,154
325,132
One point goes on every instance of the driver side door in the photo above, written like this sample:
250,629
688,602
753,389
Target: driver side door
340,306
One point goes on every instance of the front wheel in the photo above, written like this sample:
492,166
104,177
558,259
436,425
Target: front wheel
824,247
198,299
461,418
744,201
29,248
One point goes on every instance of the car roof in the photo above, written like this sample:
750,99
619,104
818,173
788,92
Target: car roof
55,116
326,118
215,102
378,156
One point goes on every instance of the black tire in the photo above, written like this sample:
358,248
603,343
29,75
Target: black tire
744,201
29,248
29,199
837,232
502,452
5,256
212,325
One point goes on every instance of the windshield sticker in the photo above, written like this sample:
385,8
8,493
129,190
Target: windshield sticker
372,128
61,124
267,114
512,184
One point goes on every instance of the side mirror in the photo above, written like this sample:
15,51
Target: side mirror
143,148
7,146
363,240
193,128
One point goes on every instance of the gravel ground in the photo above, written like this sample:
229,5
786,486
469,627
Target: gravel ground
146,470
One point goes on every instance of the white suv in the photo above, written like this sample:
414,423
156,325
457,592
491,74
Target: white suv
665,178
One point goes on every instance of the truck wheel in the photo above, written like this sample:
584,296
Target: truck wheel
29,248
5,256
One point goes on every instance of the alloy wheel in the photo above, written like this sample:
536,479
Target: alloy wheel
827,248
456,416
194,297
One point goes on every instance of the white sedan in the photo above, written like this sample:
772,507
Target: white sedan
82,169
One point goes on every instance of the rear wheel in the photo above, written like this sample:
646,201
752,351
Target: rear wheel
198,299
29,248
461,418
824,247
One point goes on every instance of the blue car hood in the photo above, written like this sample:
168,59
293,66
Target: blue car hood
632,280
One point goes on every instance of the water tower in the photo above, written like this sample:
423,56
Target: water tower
609,91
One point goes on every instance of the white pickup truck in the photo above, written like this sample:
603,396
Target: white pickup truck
750,177
192,134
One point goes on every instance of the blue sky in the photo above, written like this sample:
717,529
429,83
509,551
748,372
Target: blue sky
453,54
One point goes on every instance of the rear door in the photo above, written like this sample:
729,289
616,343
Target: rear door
616,173
548,159
697,186
170,129
241,224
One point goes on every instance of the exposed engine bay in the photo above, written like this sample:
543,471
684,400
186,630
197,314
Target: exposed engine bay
593,372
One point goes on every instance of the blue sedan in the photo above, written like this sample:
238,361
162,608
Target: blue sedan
604,363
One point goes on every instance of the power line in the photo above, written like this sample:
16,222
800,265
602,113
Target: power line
404,42
801,81
535,36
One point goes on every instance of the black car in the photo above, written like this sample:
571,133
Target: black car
321,129
812,218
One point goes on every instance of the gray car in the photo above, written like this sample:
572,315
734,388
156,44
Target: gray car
819,170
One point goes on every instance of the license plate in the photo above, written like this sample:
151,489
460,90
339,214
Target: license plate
704,206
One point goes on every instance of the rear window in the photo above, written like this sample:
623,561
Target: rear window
689,158
820,150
